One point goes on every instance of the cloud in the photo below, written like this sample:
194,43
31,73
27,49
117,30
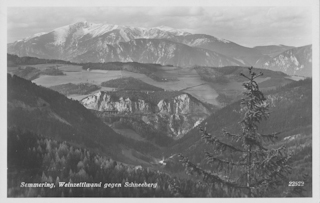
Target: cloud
286,13
176,11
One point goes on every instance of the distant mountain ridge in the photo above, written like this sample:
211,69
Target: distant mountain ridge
88,42
273,50
160,51
296,61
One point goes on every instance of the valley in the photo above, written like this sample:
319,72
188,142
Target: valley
130,92
140,121
123,103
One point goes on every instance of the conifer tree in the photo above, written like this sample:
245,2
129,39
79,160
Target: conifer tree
248,166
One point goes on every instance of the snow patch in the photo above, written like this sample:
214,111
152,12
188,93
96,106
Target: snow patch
198,42
124,35
241,61
198,122
60,35
39,34
99,29
223,40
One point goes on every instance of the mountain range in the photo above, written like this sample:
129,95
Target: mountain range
88,42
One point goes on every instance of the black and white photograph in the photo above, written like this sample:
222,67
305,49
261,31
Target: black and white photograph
180,100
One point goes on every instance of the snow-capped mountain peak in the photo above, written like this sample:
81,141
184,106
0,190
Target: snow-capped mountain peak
80,29
91,42
127,33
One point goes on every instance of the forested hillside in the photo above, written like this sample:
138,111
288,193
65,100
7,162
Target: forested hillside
50,113
290,114
37,159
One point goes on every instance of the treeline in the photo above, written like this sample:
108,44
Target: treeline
70,88
35,159
145,67
14,60
231,73
31,73
149,69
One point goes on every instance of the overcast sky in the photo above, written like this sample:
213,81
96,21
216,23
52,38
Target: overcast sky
247,26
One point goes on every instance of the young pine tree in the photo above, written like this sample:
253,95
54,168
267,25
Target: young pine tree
247,166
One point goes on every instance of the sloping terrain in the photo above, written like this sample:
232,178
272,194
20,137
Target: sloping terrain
290,114
36,159
273,50
228,84
158,51
46,112
244,55
296,61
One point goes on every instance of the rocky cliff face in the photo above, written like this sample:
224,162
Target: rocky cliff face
175,115
102,101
